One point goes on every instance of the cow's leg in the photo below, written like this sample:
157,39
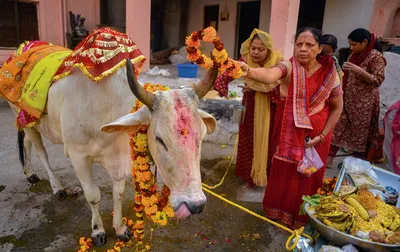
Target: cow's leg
35,137
25,150
83,169
121,230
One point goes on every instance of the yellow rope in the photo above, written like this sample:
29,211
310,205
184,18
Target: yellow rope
294,233
227,169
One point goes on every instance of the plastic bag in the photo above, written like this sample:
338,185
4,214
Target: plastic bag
328,248
310,163
358,166
349,248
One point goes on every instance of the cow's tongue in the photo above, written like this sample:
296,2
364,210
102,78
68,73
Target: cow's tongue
182,212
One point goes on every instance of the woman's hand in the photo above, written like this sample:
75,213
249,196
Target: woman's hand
245,89
316,140
245,68
352,67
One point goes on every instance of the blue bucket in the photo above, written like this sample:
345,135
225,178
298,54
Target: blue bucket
187,70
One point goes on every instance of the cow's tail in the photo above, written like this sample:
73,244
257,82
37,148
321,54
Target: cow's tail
21,147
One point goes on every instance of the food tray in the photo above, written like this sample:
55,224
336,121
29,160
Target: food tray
342,239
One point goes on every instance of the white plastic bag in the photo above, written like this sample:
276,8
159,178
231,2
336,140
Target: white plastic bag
157,71
328,248
349,248
310,163
358,166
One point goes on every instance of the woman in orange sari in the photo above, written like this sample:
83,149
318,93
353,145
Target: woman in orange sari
310,106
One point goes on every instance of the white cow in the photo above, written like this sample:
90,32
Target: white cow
78,108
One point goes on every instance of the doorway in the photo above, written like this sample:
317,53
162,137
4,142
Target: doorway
311,13
248,18
211,14
113,14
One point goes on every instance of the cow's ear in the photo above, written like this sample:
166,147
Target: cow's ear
208,120
129,123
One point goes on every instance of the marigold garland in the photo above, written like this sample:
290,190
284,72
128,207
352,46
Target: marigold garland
221,59
154,205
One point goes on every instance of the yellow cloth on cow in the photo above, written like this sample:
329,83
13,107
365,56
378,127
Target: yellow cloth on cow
262,111
34,95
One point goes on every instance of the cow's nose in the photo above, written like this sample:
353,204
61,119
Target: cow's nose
196,207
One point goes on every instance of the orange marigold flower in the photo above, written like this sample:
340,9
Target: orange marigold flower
146,176
143,160
165,191
144,167
138,199
160,218
145,201
138,208
150,210
208,63
138,226
320,191
192,41
81,240
220,56
209,34
169,211
153,199
145,185
194,56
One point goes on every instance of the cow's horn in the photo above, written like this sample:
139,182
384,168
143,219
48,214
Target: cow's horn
145,97
207,83
204,86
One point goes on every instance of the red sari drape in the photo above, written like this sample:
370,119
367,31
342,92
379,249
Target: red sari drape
286,186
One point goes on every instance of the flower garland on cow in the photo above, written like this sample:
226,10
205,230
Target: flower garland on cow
154,205
219,54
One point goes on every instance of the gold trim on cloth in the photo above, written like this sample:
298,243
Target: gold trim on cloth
102,75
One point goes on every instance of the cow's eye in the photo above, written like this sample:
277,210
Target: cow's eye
161,142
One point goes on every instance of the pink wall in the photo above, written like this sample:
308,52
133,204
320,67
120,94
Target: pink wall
138,14
284,16
383,16
396,24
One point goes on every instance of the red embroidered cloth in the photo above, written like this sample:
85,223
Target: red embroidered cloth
101,54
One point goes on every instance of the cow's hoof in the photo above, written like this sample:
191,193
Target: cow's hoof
33,179
99,239
126,236
61,195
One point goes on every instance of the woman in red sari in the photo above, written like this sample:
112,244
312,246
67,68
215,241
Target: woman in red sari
310,106
251,166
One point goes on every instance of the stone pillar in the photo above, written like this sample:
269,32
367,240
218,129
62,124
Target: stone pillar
50,21
382,17
138,16
283,25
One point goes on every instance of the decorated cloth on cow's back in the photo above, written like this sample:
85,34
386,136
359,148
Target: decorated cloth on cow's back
101,54
26,78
